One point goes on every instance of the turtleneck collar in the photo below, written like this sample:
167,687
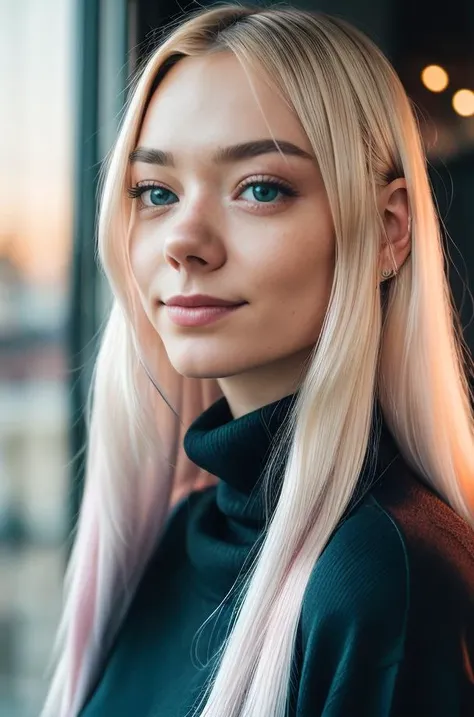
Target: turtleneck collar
230,518
235,449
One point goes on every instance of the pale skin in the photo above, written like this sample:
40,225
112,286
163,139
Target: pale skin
202,232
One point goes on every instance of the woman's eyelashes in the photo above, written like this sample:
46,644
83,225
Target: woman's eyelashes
260,190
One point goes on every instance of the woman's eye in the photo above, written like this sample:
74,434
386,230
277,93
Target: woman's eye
152,196
264,191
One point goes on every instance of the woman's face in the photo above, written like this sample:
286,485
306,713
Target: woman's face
251,227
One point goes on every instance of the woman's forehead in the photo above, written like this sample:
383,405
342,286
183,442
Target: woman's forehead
210,101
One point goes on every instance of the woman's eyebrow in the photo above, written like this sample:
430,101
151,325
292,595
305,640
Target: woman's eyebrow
224,155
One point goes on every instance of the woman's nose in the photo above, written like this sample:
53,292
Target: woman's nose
194,249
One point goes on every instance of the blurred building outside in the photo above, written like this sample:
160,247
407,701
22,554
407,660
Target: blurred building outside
35,238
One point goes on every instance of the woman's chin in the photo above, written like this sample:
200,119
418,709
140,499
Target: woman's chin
192,366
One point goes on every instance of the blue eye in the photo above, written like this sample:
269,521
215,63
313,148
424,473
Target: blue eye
159,196
264,191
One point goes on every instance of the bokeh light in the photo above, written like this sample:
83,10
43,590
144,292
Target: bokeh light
463,103
435,78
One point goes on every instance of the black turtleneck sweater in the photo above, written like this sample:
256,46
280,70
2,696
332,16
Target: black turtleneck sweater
387,622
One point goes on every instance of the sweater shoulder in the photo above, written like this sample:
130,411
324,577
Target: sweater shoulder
437,539
384,563
362,579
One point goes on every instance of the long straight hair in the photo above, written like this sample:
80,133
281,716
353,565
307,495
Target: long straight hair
408,352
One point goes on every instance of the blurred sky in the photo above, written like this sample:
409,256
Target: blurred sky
36,135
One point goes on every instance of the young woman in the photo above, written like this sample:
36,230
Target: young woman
279,504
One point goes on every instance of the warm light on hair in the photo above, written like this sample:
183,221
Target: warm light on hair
435,78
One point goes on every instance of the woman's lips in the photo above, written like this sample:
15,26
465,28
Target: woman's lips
198,315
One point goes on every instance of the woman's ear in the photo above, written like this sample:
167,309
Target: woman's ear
395,213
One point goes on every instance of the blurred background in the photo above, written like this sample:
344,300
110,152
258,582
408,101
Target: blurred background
64,71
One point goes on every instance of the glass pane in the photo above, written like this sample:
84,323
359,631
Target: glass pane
36,47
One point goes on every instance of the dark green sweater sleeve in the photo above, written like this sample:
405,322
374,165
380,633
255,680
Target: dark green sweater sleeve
354,620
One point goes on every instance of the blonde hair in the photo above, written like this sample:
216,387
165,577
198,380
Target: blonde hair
408,352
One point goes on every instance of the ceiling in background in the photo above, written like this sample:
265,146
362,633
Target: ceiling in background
424,35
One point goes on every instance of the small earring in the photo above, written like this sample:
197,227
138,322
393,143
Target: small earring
386,273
